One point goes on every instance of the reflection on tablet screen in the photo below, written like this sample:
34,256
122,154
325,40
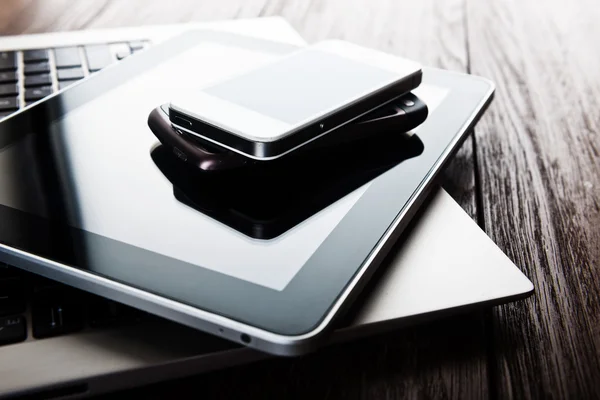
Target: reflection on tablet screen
267,200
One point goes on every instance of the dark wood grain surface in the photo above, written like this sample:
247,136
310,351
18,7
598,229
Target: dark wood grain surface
539,168
530,176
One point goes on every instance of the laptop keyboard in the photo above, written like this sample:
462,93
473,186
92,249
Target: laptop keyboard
32,306
52,308
30,75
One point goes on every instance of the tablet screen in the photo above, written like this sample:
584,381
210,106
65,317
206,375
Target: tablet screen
110,186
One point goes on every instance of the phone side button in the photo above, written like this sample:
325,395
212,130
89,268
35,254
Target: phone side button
180,154
181,121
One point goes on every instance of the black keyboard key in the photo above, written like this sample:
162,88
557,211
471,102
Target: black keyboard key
4,114
38,80
8,77
64,84
56,312
39,284
12,296
35,55
37,93
66,57
37,68
105,313
8,60
7,271
7,90
69,74
136,45
12,330
9,103
98,56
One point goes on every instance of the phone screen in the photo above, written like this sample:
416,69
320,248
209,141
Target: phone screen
302,86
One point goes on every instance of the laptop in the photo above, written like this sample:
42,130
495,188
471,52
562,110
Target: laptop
110,346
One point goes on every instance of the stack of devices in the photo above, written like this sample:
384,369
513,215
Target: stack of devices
244,188
267,149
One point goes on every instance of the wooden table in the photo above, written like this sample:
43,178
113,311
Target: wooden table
530,176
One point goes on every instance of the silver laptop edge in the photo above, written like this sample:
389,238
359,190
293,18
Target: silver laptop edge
269,28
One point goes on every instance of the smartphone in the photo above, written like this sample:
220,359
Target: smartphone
401,115
270,111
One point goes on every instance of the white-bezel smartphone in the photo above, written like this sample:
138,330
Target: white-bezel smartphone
283,105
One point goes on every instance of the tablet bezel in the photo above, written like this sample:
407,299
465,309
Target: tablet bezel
282,322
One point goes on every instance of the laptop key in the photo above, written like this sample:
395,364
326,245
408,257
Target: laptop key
136,45
107,313
8,103
8,77
56,312
35,55
98,56
120,50
38,80
39,284
64,84
12,296
37,68
12,330
7,271
4,114
68,74
66,57
7,90
122,54
8,60
37,93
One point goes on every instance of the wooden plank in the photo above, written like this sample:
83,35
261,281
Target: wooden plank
443,359
538,153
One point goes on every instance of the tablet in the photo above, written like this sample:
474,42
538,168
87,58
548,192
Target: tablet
82,202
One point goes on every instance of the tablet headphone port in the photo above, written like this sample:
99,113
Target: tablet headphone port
245,338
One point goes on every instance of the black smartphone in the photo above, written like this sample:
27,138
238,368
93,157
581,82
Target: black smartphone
285,104
399,116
